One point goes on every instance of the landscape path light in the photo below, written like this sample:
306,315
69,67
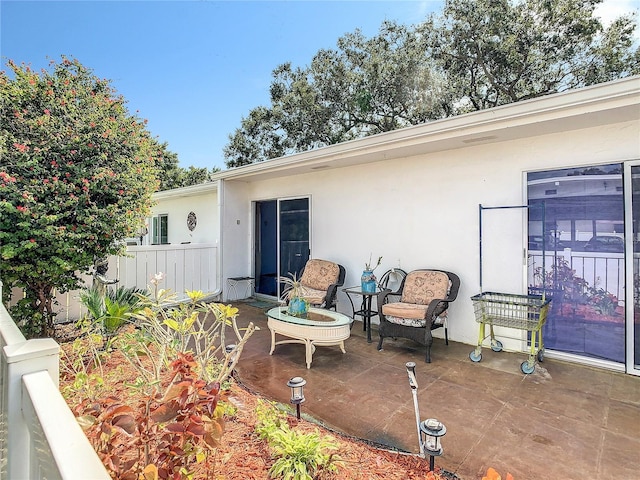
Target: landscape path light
231,354
296,384
431,430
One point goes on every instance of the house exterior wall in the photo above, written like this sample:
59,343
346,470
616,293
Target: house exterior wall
204,205
422,212
237,239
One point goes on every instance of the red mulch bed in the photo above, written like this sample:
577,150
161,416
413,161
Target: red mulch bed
243,455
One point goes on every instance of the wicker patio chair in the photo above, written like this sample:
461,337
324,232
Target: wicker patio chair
320,280
419,306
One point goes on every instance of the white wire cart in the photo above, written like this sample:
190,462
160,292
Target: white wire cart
523,312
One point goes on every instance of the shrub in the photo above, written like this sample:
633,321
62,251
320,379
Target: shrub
299,456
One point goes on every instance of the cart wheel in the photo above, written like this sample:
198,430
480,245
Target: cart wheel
540,355
527,367
496,345
475,356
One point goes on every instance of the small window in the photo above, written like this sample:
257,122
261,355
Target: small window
160,229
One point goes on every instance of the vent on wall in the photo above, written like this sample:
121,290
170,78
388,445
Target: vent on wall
551,192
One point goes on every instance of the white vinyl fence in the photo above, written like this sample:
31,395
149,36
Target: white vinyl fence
39,436
186,267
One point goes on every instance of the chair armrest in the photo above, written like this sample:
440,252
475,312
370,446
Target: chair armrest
433,306
455,286
331,293
383,298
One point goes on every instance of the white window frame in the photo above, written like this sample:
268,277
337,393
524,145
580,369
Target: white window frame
157,237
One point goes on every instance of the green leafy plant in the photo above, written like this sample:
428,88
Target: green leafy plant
113,311
269,419
299,456
604,302
179,353
166,327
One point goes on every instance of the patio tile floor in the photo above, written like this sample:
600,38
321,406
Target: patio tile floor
563,421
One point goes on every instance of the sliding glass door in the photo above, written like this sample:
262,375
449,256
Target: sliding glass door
282,241
632,218
576,222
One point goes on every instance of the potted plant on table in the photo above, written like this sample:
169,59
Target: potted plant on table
368,279
294,293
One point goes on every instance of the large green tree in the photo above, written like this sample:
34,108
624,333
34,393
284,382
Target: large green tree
364,87
77,173
171,175
502,51
475,54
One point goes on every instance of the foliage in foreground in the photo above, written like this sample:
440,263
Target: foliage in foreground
77,175
299,456
110,313
179,354
492,474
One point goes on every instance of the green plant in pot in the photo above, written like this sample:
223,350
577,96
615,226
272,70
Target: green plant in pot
294,293
368,279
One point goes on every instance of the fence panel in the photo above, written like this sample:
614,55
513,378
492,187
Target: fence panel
59,448
39,436
187,267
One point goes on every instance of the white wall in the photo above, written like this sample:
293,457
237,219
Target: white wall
237,228
422,212
204,205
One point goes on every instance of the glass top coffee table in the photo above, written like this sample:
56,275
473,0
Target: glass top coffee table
318,328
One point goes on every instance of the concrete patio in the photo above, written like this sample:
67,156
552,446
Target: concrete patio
563,421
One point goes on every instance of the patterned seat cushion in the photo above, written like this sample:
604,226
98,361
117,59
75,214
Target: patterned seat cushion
405,310
314,297
410,322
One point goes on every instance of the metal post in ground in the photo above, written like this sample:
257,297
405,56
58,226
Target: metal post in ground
413,383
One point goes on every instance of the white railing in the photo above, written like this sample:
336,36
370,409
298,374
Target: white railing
599,270
39,436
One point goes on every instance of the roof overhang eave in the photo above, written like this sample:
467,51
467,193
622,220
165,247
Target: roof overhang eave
610,102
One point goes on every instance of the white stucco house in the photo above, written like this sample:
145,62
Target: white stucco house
413,197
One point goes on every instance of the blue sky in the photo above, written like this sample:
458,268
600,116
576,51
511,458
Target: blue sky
192,68
195,68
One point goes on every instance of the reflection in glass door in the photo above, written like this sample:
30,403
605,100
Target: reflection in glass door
294,236
580,234
632,217
281,241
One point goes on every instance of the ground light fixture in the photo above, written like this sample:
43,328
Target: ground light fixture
296,384
231,354
431,430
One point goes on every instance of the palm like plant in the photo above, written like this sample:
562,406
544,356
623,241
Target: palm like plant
293,294
113,311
